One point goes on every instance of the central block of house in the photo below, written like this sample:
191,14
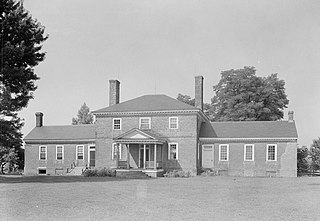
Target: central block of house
157,133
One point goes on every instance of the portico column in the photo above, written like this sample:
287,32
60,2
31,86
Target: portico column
128,157
117,158
144,156
155,156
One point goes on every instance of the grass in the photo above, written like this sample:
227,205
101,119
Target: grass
197,198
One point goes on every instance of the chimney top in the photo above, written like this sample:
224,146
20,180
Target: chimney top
199,92
114,92
39,119
290,116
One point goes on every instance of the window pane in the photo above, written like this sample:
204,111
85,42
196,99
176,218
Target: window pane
173,123
116,124
173,151
223,153
80,153
249,152
271,152
144,123
43,151
59,152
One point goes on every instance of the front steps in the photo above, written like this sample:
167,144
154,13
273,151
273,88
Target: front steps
77,171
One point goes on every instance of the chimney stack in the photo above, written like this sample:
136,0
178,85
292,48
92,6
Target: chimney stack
199,92
39,119
290,116
114,92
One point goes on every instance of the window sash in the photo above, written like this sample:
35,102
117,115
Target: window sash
249,152
59,152
271,152
173,122
145,123
80,152
117,124
42,153
173,151
224,152
114,152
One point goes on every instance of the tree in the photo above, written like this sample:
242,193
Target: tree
315,155
302,162
242,96
188,100
21,43
84,116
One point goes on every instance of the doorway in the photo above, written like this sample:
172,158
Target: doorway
141,157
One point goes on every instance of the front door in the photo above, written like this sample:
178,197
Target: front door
207,156
141,154
92,162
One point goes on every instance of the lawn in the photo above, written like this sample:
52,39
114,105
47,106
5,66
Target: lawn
198,198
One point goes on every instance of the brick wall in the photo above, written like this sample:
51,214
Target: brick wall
284,166
52,166
185,136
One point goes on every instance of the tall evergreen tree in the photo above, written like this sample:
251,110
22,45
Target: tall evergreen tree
84,116
21,39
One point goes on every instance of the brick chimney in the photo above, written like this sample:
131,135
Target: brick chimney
199,92
114,92
290,116
39,119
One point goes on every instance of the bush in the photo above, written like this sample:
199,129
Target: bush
209,172
177,173
99,172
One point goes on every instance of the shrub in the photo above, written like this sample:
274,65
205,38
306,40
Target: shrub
99,172
177,173
209,172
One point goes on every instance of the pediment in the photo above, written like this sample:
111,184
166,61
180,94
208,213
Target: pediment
135,134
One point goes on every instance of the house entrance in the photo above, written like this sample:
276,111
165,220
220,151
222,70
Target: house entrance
207,156
92,156
141,157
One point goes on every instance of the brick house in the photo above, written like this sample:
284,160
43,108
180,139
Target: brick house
157,133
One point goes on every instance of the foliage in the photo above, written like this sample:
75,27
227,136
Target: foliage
302,162
99,173
241,95
209,172
21,39
315,154
178,173
187,99
84,116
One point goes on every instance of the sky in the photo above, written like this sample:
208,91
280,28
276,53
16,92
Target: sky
159,46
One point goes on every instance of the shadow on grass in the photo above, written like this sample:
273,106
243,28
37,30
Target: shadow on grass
57,179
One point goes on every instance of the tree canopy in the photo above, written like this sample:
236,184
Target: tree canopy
242,96
84,116
21,39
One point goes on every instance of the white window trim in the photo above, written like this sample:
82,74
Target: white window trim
57,152
40,152
275,152
77,152
114,124
220,145
42,168
142,118
112,151
169,151
245,152
170,122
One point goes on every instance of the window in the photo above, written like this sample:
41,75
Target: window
42,171
271,152
248,152
114,151
173,151
145,123
59,152
173,122
117,123
42,153
223,152
80,151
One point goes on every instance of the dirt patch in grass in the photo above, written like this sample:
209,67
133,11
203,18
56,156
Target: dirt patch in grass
198,198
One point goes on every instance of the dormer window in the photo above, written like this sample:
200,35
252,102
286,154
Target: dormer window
145,123
116,124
